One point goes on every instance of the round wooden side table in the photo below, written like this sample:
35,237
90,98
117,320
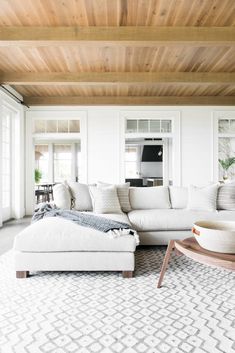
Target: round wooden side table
190,248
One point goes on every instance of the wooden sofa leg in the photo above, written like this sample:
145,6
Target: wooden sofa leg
127,274
22,274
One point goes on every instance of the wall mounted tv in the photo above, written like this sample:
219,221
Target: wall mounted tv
152,153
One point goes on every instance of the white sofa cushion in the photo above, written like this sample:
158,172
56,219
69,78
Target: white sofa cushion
226,197
123,194
202,198
173,219
178,196
144,198
105,199
54,234
81,195
62,196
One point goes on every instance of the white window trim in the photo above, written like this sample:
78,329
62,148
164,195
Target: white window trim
216,115
175,117
52,114
17,197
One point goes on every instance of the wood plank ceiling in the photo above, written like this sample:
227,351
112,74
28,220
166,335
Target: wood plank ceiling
119,51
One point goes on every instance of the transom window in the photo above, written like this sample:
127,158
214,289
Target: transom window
148,125
42,126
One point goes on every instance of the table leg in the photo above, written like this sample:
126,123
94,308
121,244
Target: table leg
178,253
169,249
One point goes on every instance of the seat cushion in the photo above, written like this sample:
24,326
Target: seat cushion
54,234
173,219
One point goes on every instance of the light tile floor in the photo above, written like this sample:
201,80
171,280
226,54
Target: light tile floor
9,231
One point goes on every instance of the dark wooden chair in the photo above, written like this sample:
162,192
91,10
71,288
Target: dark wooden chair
42,195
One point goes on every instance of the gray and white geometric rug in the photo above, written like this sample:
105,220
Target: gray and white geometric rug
64,312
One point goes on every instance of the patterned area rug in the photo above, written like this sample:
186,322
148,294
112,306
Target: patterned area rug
64,312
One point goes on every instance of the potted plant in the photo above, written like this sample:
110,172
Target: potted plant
37,176
226,164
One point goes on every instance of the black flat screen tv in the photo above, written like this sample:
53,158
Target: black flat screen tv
152,153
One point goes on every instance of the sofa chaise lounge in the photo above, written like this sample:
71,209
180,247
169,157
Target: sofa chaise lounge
158,214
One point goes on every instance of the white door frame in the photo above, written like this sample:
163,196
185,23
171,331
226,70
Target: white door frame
52,113
175,117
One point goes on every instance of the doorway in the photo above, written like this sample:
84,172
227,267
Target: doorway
55,162
151,148
148,161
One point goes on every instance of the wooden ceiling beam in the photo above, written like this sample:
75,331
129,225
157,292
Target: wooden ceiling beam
144,35
131,100
16,78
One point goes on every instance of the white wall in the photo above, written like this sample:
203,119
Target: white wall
197,145
103,146
105,140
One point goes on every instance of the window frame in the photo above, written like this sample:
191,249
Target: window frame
216,116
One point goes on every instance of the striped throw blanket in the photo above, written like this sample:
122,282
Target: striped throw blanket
102,224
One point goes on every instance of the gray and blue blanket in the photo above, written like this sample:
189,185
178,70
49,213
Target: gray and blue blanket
101,224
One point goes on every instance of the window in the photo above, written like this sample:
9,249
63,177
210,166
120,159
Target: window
62,162
42,161
148,126
57,162
56,126
226,148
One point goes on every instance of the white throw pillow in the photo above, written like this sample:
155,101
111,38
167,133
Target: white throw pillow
147,198
202,198
105,199
178,196
123,194
81,195
62,196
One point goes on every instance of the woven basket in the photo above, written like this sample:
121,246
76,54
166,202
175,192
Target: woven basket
215,236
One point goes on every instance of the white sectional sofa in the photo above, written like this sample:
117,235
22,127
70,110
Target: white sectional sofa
158,214
170,218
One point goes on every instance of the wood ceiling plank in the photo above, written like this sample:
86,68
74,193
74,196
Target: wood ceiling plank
124,89
117,12
22,36
115,77
92,59
131,100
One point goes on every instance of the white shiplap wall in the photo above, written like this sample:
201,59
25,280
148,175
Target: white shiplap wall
105,140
